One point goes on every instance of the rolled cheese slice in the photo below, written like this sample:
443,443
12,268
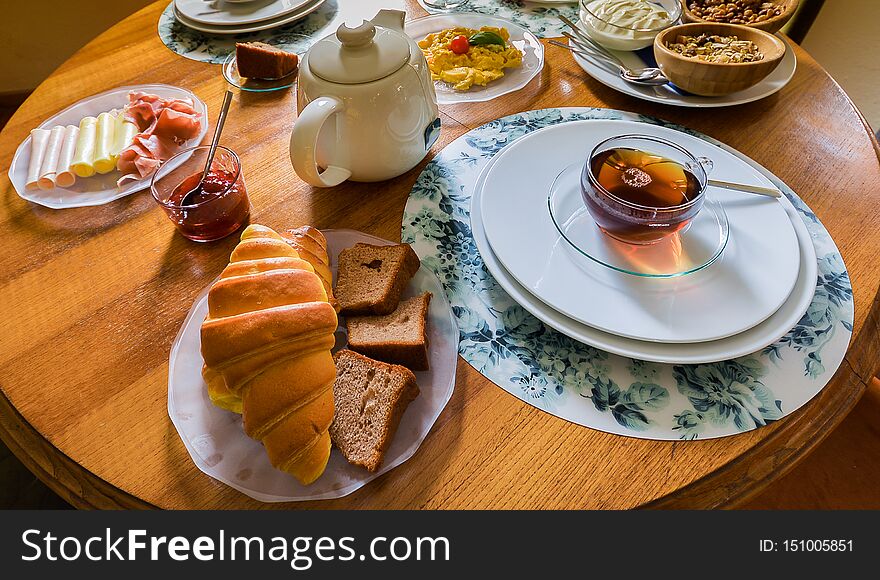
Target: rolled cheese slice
39,140
84,155
50,158
125,132
64,177
105,162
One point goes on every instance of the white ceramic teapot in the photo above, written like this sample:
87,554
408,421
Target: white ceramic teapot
367,106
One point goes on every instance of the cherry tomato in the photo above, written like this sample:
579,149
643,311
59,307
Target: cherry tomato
459,44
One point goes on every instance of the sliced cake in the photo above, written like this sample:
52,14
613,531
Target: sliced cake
397,338
369,397
371,278
258,60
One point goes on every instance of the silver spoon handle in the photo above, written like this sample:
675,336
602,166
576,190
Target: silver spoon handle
216,139
597,59
592,47
584,39
756,189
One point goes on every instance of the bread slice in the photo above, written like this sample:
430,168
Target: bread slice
372,278
397,338
369,397
258,60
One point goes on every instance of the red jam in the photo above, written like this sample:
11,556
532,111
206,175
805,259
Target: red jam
220,208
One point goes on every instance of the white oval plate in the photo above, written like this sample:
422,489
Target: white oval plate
514,78
730,296
750,341
300,13
664,94
98,189
215,438
224,13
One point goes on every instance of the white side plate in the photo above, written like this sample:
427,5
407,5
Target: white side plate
664,94
298,14
215,438
98,189
226,13
513,79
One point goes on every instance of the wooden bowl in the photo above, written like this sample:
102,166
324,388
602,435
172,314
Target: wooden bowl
712,79
771,25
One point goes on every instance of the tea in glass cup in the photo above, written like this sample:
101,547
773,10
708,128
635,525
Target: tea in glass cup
640,189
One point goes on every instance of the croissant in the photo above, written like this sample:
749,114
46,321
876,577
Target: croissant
266,345
311,245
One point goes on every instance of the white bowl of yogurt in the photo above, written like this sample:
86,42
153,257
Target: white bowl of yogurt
627,24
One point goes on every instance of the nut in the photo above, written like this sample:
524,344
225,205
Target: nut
737,12
715,48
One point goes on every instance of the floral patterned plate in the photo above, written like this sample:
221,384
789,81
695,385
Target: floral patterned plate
592,387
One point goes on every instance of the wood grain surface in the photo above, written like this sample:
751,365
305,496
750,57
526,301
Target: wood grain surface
92,298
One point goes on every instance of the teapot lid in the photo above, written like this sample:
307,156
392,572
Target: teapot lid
359,55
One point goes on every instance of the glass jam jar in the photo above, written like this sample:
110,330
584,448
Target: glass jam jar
222,205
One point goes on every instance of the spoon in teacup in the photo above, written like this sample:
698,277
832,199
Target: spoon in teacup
756,189
192,193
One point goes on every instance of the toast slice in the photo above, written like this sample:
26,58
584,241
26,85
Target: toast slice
369,397
372,278
398,338
258,60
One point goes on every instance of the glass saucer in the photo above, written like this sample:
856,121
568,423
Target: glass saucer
695,247
230,73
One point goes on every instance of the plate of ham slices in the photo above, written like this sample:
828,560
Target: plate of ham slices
106,146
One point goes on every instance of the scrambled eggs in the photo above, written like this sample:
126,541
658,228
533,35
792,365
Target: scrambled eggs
480,65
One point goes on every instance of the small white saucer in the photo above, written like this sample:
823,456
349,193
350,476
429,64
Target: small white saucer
697,246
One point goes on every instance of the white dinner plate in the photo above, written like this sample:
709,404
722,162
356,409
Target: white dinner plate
225,13
98,189
749,282
298,14
752,340
669,96
513,79
218,445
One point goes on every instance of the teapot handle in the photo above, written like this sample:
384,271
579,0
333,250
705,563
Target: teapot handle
304,143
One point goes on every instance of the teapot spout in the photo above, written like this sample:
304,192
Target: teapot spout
392,19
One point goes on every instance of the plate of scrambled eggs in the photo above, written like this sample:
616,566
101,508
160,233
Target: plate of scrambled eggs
475,57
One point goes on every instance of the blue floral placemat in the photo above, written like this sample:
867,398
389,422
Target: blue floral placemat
585,385
297,36
541,19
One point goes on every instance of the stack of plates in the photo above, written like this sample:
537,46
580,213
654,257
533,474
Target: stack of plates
241,16
742,297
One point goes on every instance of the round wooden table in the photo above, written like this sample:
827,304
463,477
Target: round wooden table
91,300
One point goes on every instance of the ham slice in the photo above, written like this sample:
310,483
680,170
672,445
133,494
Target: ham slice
164,125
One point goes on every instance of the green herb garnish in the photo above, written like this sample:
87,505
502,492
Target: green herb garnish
485,37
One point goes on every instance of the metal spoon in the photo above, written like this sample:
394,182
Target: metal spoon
586,43
216,139
756,189
648,76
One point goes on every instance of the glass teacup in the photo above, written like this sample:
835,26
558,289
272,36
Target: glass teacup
640,189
